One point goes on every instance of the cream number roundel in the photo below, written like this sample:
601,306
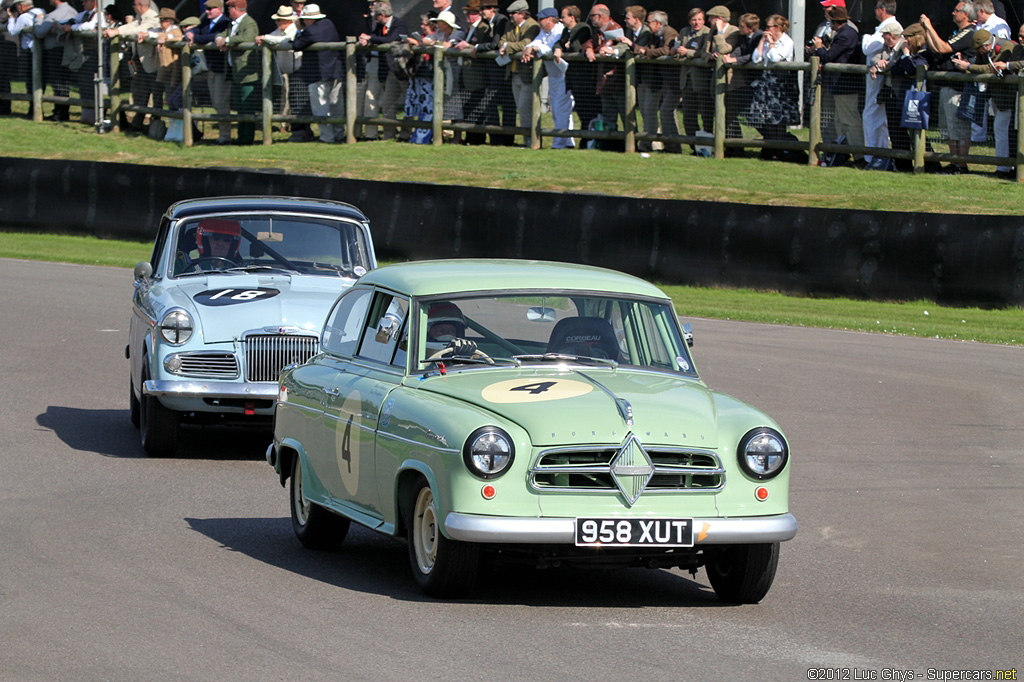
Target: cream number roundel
534,390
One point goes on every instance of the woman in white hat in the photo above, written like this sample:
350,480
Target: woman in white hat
419,98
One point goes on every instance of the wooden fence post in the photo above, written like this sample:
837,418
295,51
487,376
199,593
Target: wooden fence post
919,135
351,90
535,110
438,117
629,120
721,73
267,86
186,94
814,134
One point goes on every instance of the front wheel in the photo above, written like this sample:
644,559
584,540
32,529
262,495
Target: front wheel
314,526
442,568
743,574
158,426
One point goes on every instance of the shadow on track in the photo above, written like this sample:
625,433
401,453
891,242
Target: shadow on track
376,564
111,434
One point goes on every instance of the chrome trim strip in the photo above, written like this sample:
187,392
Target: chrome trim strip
209,389
409,441
556,531
653,452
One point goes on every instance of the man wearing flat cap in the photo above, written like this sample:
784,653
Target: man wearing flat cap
384,91
212,24
522,31
993,54
725,37
474,73
876,129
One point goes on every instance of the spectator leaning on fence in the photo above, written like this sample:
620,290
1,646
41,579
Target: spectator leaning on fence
245,66
739,94
662,81
144,62
940,54
845,87
56,76
876,129
80,57
579,77
724,39
521,32
384,91
775,102
168,73
637,38
609,84
1007,59
473,74
695,83
989,49
498,90
286,62
321,70
890,94
213,23
21,24
561,101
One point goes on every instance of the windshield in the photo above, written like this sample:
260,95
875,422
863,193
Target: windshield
280,243
568,327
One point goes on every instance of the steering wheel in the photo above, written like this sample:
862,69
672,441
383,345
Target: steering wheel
453,348
212,259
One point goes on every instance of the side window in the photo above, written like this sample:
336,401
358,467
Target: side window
384,329
341,333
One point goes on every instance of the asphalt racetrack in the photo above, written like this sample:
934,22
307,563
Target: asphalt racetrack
908,484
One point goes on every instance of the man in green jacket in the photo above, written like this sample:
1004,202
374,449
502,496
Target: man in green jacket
245,66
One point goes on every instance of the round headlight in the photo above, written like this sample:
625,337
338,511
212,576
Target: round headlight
488,452
763,453
176,327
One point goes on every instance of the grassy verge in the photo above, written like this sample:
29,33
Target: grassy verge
659,176
918,318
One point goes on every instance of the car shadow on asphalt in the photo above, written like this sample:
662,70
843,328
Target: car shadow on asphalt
375,564
110,433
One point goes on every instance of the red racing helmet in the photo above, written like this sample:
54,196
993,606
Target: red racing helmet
219,226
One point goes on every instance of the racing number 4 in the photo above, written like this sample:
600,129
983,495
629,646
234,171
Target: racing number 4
535,389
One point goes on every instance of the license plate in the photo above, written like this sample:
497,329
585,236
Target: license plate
634,532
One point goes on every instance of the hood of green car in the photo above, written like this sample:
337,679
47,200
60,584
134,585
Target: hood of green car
560,406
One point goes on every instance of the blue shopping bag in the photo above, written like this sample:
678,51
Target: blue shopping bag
916,108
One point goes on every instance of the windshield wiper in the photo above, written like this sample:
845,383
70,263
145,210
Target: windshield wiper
554,357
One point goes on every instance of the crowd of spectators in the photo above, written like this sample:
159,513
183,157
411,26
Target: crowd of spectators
864,111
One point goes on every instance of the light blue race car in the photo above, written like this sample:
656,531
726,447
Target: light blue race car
236,290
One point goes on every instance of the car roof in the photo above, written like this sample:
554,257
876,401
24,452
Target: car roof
192,207
444,277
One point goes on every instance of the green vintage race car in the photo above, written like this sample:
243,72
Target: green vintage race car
532,411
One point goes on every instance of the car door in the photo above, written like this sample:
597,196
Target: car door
143,316
354,402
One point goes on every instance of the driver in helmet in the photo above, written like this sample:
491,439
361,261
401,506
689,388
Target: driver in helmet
217,240
445,324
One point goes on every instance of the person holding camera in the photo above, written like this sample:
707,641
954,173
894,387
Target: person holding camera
144,62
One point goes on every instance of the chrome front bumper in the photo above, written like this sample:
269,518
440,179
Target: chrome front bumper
706,531
196,388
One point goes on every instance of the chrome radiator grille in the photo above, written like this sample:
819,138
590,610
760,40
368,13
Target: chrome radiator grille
208,365
266,355
586,470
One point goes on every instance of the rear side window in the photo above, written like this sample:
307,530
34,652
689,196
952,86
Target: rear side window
345,323
385,327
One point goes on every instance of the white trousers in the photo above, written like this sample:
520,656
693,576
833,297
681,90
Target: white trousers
876,127
1001,130
561,107
325,100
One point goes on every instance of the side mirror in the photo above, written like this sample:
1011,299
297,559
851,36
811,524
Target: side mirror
688,334
387,329
143,271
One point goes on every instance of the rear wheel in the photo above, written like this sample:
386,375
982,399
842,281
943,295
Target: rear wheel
314,526
158,426
743,574
442,568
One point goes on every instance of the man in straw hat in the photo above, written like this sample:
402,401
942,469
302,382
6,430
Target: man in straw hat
322,70
286,62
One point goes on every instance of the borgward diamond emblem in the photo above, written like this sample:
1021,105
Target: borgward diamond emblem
632,469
